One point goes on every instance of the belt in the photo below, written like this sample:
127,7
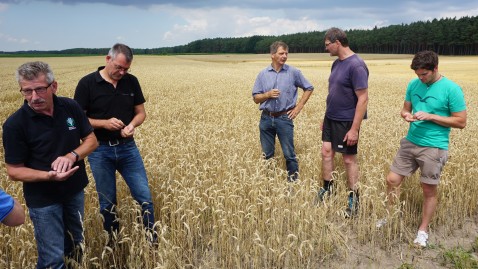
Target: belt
116,142
275,114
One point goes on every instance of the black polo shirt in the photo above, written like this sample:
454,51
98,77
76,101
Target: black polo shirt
101,100
36,140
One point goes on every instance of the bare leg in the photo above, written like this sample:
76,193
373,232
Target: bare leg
394,181
327,160
430,203
351,167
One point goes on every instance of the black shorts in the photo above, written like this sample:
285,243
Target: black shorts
334,131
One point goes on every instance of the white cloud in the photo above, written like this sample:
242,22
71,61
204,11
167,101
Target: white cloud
232,22
459,13
12,39
165,23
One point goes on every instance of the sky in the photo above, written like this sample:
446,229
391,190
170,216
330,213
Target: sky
57,25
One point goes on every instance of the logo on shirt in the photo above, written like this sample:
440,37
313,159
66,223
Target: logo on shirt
71,124
424,100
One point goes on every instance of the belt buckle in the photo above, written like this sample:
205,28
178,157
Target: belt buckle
115,142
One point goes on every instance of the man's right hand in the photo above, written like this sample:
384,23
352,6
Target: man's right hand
114,124
62,176
274,93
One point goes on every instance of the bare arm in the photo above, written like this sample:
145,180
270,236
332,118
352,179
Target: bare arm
352,135
139,117
62,167
19,172
406,112
66,162
16,216
305,96
262,97
456,120
112,124
88,145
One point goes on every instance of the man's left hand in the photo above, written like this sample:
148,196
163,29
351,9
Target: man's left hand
351,137
63,163
127,131
293,112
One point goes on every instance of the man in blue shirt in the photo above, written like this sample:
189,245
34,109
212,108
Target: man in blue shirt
275,90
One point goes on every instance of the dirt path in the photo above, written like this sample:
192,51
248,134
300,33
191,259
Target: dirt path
371,257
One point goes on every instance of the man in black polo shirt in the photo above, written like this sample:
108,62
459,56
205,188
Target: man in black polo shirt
43,150
114,103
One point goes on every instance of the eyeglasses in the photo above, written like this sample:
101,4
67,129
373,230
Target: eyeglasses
120,68
40,90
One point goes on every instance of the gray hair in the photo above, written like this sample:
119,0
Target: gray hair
119,48
32,70
276,45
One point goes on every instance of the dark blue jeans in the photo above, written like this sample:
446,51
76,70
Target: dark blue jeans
126,159
59,231
283,127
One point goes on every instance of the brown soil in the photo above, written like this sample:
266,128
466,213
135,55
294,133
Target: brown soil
407,255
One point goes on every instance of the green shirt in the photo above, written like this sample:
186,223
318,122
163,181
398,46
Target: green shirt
441,98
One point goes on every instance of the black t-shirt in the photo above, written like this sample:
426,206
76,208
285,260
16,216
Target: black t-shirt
36,140
101,100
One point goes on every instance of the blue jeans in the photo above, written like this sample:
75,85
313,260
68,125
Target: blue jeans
125,158
283,127
59,231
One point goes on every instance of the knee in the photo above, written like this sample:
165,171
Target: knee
349,160
327,153
393,180
429,191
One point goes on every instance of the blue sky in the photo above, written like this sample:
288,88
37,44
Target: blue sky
57,25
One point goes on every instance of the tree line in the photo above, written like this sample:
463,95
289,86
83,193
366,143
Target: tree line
446,36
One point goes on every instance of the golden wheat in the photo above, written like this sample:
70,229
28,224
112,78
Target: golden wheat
218,204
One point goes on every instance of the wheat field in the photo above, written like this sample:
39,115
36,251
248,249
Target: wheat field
219,205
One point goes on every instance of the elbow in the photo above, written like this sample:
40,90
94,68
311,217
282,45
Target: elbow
93,147
12,175
16,220
458,125
13,178
365,100
462,123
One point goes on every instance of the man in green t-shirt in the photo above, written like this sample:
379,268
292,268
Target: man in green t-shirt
433,105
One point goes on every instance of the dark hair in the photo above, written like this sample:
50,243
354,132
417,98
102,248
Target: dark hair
334,34
276,45
425,60
119,48
31,70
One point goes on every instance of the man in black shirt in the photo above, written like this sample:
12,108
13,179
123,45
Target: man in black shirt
114,104
43,150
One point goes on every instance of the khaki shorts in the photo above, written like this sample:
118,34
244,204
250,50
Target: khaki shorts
410,157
